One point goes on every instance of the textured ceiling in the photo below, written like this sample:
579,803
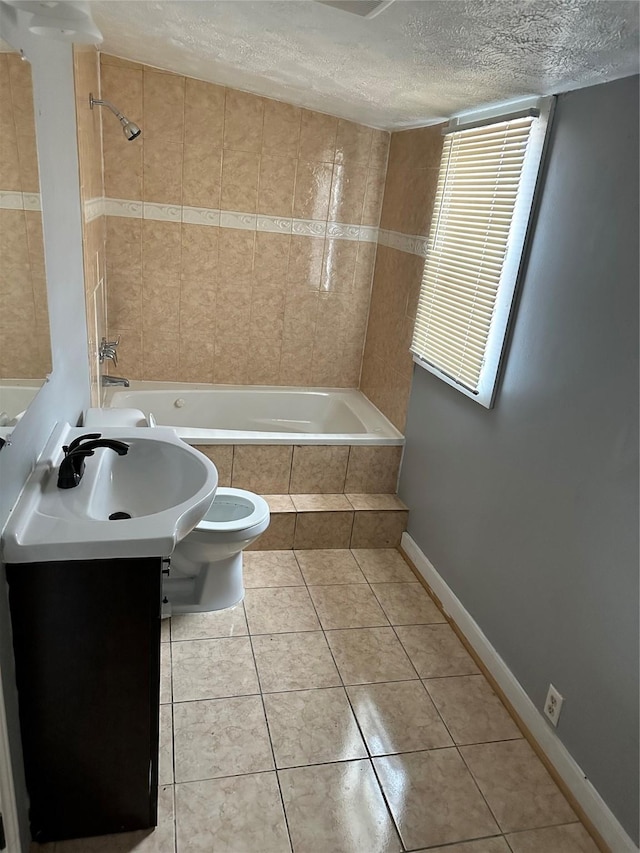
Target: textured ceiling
414,63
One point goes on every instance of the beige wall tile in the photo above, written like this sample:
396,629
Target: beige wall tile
118,62
161,357
123,161
279,535
271,261
277,183
163,106
19,71
18,308
196,357
353,143
199,253
28,157
124,302
197,310
305,262
161,305
222,457
387,367
123,168
373,470
23,110
347,193
374,195
201,172
160,248
323,530
162,170
14,247
240,171
381,529
243,121
121,84
278,161
124,247
129,351
204,112
313,190
9,158
281,129
338,266
235,254
319,469
297,338
230,364
265,469
318,137
233,312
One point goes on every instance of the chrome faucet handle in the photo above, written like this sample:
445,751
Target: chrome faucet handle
107,349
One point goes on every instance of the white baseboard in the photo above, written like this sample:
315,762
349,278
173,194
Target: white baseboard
594,806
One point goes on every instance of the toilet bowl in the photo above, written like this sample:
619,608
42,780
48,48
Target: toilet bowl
206,567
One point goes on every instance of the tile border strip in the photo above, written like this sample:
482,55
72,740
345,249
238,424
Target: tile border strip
410,243
15,200
94,207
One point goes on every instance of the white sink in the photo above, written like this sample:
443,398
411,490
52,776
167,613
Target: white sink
163,484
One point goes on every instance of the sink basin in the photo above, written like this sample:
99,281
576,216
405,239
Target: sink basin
137,505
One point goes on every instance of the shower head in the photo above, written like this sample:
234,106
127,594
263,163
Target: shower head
129,128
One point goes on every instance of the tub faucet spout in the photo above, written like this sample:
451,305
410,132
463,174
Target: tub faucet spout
113,380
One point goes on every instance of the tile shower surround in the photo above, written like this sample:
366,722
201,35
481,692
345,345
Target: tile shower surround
412,176
86,70
242,305
25,350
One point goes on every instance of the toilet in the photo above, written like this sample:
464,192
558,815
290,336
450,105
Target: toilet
205,573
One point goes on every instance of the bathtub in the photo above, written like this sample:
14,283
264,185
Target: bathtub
15,396
258,414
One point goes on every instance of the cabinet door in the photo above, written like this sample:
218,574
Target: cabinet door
86,638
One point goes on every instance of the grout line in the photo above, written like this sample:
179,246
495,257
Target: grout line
357,721
273,753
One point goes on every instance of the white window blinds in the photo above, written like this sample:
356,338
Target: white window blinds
482,207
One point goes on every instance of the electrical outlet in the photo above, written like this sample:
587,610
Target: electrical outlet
553,705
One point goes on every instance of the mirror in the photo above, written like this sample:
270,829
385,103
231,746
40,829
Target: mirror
25,348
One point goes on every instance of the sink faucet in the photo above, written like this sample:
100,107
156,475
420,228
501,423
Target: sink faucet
72,466
113,380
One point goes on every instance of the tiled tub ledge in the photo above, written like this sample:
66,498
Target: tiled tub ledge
332,521
354,470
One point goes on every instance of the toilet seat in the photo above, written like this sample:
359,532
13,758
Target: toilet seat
233,510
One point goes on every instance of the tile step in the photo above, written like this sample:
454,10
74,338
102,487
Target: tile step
333,521
333,503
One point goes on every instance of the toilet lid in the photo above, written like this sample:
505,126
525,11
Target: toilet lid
234,509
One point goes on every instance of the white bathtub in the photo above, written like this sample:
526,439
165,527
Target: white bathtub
259,414
15,396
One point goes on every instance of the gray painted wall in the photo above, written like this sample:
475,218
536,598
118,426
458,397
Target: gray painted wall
530,510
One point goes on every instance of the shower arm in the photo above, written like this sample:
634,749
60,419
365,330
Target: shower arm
102,103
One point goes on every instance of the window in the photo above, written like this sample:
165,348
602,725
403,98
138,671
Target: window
484,197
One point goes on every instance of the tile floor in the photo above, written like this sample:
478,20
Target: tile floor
335,711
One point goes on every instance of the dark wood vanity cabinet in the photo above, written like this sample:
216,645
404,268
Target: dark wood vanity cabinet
86,637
